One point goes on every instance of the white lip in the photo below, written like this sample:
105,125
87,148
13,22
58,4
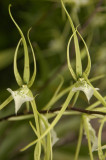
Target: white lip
19,98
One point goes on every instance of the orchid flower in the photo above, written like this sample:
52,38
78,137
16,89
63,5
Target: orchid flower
81,77
82,85
20,97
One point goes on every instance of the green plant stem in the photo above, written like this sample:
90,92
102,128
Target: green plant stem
35,112
54,100
57,118
79,141
48,145
88,137
97,78
100,152
75,98
7,101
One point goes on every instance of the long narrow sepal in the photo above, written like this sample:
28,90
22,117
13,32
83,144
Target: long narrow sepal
68,59
34,72
26,74
88,68
16,73
77,49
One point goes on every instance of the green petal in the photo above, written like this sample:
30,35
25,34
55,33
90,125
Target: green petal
68,59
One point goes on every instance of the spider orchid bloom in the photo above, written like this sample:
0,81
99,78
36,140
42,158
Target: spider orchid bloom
82,85
20,97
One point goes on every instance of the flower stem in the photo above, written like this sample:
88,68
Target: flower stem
79,141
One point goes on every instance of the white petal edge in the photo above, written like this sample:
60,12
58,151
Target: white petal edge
93,137
19,98
88,90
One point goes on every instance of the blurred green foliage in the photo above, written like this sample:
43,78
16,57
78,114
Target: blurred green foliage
49,36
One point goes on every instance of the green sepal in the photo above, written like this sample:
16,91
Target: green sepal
77,49
26,74
68,59
34,72
88,68
16,73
